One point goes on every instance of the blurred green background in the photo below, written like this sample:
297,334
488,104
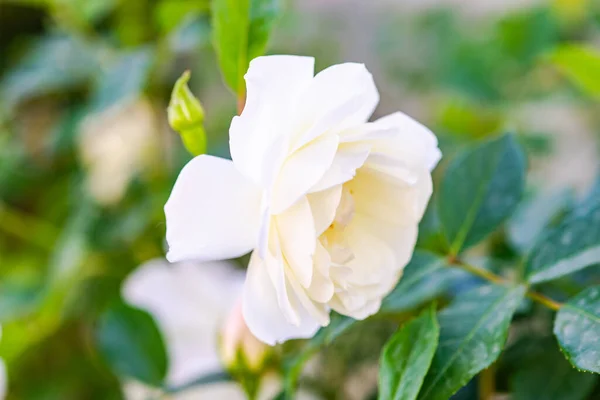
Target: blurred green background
87,159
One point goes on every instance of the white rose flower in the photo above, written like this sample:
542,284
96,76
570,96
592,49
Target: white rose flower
328,202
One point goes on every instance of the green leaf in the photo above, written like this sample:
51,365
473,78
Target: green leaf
580,64
406,357
186,116
424,278
550,377
473,331
241,31
573,245
480,189
577,327
534,215
122,81
132,344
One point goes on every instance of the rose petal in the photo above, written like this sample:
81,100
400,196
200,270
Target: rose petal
263,314
338,97
213,212
323,205
348,158
297,236
302,170
273,86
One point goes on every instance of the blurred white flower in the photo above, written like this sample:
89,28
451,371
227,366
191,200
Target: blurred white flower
193,304
329,202
190,303
114,146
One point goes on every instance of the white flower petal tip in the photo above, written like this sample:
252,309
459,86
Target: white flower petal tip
329,202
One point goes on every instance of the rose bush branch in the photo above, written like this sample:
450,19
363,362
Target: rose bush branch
499,280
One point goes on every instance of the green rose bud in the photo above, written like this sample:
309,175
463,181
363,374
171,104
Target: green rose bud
186,116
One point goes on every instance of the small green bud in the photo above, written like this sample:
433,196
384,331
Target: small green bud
186,116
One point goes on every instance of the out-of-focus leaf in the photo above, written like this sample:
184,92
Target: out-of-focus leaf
21,286
480,189
522,36
241,31
592,195
426,277
473,331
468,118
186,116
169,14
574,244
131,343
82,11
123,80
550,377
534,215
62,366
407,356
52,64
577,327
72,246
190,35
579,63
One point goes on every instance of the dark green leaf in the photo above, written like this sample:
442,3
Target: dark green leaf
574,244
550,377
534,215
480,189
473,331
406,357
132,344
577,327
240,33
123,81
424,278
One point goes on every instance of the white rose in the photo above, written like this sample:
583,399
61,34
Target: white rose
329,202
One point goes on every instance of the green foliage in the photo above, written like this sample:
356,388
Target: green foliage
580,64
569,247
63,256
548,376
480,189
577,327
406,357
241,31
473,330
131,344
